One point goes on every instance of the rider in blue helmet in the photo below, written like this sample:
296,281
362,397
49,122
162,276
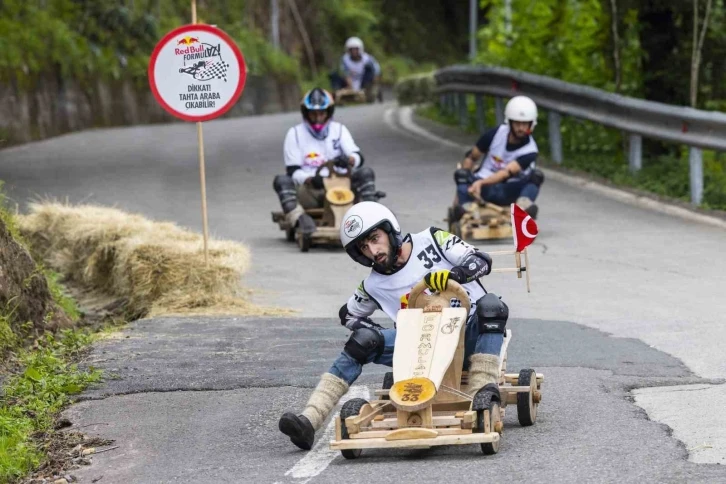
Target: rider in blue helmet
310,144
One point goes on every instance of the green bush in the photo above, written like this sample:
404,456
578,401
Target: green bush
416,89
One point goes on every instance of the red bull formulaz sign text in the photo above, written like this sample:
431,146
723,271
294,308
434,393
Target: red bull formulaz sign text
197,72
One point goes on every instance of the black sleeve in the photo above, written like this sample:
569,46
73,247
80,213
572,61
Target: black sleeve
486,140
526,160
292,169
473,267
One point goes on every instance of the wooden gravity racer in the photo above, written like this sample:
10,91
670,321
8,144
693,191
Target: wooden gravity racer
339,197
358,96
424,401
481,221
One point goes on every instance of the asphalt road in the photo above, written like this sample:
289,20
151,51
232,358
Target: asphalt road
622,298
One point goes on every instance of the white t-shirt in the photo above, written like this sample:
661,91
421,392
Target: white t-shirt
432,250
497,157
302,149
355,69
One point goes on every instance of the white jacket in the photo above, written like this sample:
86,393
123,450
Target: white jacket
302,149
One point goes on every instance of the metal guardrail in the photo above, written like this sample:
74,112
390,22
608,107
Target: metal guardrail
696,128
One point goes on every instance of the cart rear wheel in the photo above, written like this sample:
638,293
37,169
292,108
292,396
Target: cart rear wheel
495,416
526,405
351,408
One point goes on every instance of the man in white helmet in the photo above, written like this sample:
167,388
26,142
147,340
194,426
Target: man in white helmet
358,69
508,173
372,237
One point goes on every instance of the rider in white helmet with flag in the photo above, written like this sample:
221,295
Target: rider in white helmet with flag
508,172
372,237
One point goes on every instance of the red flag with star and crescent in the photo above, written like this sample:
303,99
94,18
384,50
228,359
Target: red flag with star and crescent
524,228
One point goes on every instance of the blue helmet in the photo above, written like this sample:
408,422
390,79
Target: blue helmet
317,99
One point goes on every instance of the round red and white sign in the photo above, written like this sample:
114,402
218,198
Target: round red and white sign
197,72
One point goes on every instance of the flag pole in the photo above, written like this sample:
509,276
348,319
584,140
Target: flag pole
202,178
526,262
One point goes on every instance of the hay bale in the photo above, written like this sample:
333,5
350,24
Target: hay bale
156,267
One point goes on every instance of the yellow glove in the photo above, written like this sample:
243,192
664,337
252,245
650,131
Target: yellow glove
437,281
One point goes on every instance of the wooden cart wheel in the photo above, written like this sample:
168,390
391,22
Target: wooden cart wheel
387,384
526,405
290,234
304,241
495,416
351,408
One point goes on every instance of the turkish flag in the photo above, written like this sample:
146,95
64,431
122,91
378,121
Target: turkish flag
524,228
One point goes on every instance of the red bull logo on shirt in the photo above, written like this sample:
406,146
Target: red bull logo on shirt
313,159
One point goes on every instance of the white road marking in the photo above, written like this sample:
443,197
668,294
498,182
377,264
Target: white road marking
320,456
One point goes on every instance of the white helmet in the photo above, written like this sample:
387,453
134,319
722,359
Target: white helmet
521,108
354,42
359,221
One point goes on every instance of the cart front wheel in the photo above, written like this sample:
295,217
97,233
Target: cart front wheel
387,384
495,424
304,241
351,408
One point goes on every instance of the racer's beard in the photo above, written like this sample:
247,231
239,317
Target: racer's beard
388,263
524,134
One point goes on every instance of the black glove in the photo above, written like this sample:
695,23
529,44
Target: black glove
317,182
473,267
342,161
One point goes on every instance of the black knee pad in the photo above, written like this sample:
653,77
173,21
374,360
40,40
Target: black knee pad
363,343
492,314
363,181
285,188
283,182
463,176
537,177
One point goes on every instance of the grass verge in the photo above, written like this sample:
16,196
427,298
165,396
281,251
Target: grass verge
33,397
38,377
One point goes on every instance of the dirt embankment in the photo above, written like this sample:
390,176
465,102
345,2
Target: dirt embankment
27,308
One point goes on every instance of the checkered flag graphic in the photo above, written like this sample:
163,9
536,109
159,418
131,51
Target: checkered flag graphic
455,303
216,70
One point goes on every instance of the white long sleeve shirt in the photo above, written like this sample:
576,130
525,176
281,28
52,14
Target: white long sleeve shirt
302,149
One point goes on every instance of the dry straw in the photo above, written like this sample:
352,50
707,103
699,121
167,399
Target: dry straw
155,268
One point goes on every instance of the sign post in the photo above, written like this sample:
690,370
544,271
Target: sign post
197,73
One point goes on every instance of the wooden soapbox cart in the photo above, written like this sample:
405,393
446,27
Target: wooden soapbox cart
424,401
